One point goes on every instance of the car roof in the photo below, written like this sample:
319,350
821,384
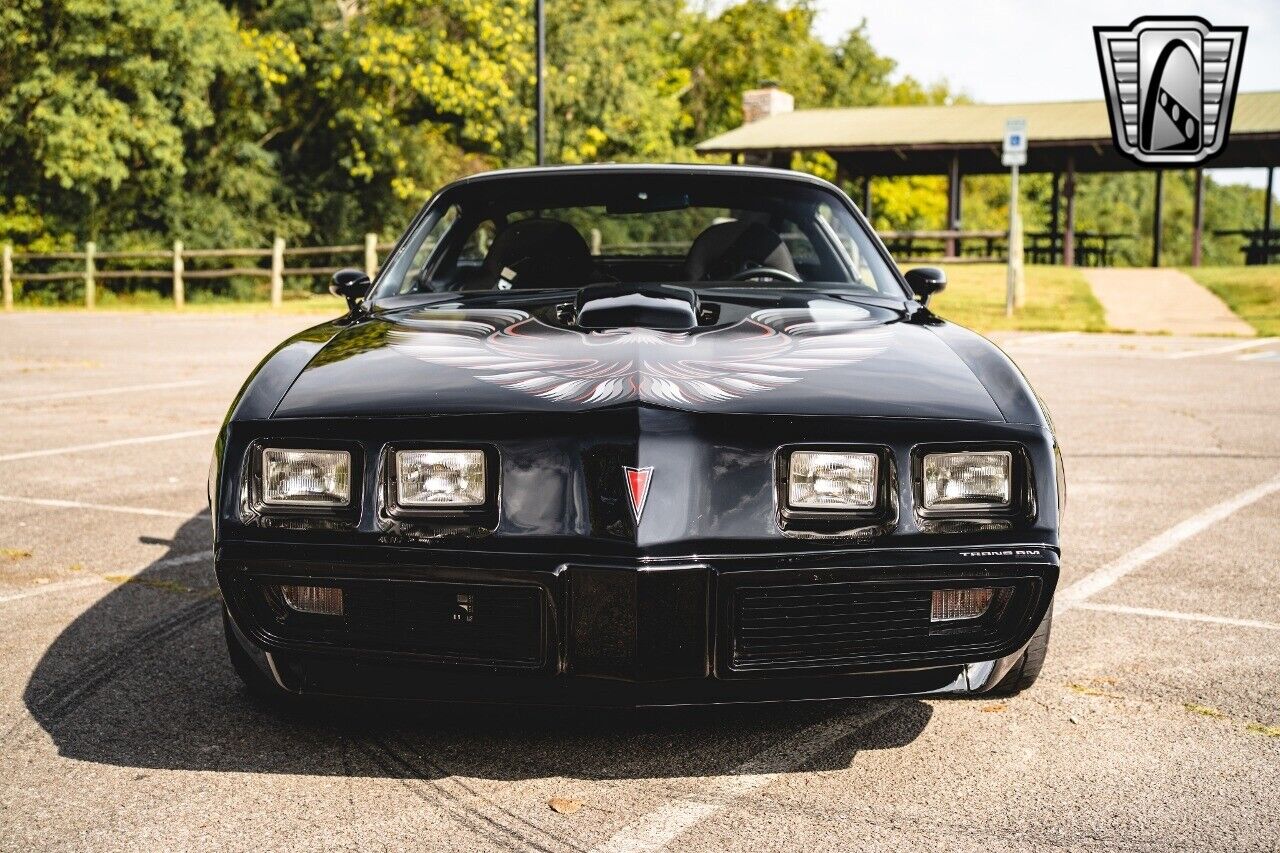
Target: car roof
642,169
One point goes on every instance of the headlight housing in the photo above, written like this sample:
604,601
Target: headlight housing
306,478
833,480
968,480
440,479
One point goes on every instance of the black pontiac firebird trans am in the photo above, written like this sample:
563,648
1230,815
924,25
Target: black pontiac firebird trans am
637,435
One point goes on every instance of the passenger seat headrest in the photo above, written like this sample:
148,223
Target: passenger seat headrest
725,249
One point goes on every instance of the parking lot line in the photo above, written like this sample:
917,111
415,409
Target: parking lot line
119,442
1161,544
77,583
1178,615
1232,347
99,392
661,826
61,504
1042,338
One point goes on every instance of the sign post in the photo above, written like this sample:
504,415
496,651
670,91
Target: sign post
1015,155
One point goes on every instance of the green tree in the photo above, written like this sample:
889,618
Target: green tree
109,119
614,80
746,44
400,96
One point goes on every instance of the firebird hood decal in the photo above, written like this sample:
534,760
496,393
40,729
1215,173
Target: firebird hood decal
768,350
822,357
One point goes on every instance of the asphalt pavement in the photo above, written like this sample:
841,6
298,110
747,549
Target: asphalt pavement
1155,725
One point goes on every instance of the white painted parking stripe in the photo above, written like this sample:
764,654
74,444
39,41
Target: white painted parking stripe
119,442
1042,338
661,826
98,392
1255,356
1178,615
79,583
1161,544
61,504
1226,348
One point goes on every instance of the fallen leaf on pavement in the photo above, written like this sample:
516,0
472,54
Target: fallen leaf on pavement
560,805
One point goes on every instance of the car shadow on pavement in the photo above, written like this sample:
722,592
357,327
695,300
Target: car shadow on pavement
141,679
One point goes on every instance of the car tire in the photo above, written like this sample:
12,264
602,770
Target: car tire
259,685
1027,669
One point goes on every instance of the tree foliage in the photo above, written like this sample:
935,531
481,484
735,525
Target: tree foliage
130,117
227,122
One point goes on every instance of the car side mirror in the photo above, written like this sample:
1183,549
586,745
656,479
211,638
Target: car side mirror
352,285
925,282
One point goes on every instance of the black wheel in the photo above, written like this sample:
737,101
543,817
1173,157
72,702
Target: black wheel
259,685
1027,669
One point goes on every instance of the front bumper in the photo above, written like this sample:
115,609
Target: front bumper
549,630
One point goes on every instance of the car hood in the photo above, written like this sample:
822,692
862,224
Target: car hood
825,357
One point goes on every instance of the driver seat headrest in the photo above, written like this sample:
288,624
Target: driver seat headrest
541,253
725,249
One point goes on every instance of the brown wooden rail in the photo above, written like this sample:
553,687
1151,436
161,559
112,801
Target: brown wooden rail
176,270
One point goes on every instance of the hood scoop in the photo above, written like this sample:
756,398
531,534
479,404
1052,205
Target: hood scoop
646,306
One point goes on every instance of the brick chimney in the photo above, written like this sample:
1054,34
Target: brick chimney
768,100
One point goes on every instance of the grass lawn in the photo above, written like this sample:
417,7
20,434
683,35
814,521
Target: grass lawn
1058,300
1252,292
318,304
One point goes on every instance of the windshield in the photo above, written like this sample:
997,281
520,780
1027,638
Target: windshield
543,230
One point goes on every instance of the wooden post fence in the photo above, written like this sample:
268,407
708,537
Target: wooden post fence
277,272
90,298
371,255
161,264
8,276
179,287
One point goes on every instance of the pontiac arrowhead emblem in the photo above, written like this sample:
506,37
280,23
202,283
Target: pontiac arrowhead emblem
638,487
1171,87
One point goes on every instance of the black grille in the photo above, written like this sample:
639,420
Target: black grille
457,621
842,626
484,624
830,623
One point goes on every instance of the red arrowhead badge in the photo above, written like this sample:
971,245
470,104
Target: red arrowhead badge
638,487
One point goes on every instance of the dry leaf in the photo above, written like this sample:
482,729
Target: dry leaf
560,805
994,709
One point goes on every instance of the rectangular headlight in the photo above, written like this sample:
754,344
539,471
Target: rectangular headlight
440,478
306,477
968,480
832,480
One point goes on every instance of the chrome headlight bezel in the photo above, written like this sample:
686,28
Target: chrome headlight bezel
858,459
1018,503
810,522
483,513
256,479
